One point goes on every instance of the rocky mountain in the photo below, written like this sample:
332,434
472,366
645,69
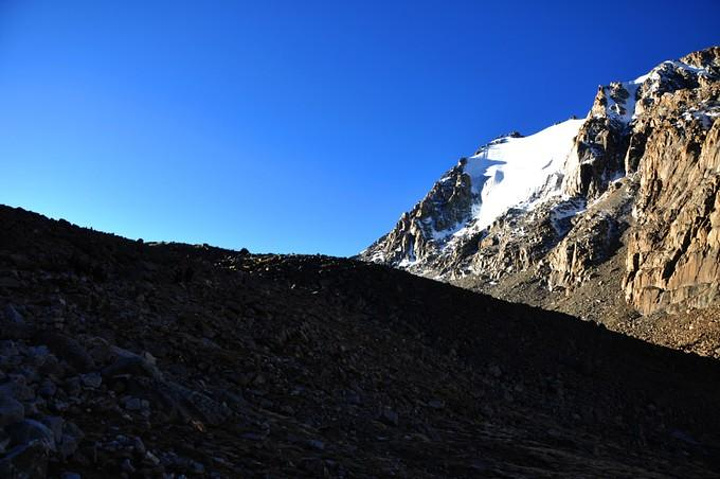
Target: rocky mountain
634,185
121,358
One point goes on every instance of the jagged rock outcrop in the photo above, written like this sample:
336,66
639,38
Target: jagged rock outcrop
658,133
674,248
506,177
448,204
520,239
593,238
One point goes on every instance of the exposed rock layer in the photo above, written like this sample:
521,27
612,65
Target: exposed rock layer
674,248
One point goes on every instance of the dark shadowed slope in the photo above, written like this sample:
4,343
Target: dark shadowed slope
150,358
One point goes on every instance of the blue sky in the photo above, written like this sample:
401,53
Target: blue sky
288,126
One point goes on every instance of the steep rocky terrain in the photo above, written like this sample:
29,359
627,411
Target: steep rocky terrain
638,189
120,358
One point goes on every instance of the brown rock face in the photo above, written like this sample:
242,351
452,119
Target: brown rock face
674,249
594,238
447,204
515,243
600,146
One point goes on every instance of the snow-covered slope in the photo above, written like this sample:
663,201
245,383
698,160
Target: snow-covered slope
517,172
620,98
511,172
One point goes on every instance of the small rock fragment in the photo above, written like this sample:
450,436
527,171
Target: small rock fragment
11,411
389,417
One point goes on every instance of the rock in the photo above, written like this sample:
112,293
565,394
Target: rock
13,324
197,467
593,240
39,355
674,250
316,444
31,431
152,458
27,461
68,349
133,404
55,424
352,397
71,437
11,410
91,380
390,417
18,387
10,282
72,386
11,316
47,389
4,441
127,466
139,447
131,363
57,406
449,202
650,147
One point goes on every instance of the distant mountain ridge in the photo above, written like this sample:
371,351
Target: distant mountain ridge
638,176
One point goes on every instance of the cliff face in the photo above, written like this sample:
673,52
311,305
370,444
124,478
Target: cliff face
674,249
637,177
413,239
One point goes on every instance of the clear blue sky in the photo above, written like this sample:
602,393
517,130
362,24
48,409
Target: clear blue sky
293,126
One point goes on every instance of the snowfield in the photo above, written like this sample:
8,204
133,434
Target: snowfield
513,172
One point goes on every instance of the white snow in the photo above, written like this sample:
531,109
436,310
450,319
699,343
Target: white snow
654,74
406,262
706,117
653,79
623,111
641,79
564,210
439,236
510,172
522,173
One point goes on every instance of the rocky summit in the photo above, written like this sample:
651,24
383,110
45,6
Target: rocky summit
122,358
623,204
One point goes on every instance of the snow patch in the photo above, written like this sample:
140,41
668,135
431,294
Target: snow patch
623,109
561,214
511,172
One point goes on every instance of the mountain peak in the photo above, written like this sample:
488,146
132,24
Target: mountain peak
520,203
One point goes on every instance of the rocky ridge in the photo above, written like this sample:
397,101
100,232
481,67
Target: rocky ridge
641,171
121,358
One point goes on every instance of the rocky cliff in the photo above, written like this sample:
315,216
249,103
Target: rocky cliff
638,177
674,247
